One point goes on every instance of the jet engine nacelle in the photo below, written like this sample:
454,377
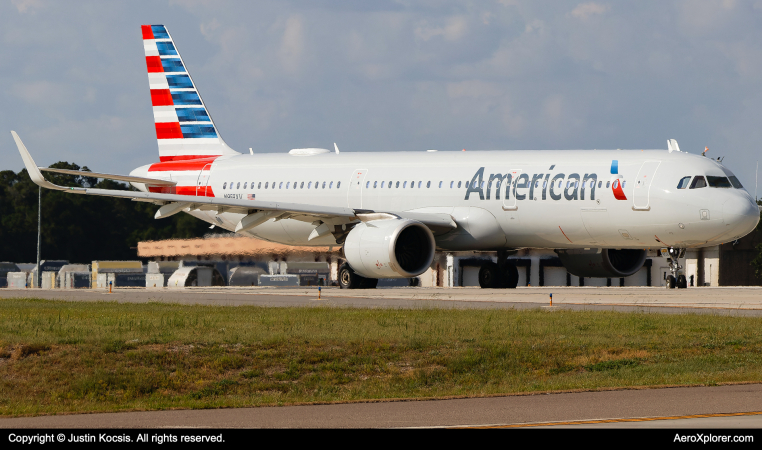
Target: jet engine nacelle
389,248
602,263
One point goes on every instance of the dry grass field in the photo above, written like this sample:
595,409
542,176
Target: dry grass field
60,357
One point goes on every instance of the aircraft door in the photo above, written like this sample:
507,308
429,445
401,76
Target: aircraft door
509,193
642,186
203,182
356,187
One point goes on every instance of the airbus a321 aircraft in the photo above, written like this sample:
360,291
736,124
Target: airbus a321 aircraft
600,210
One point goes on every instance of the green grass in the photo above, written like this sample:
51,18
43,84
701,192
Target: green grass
60,357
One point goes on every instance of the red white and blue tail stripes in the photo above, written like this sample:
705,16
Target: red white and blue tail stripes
184,128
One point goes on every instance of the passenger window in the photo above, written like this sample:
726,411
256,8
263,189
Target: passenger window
367,184
317,184
451,183
698,182
624,184
309,185
684,182
244,185
419,184
397,185
600,183
375,184
280,185
412,184
608,184
239,185
323,184
338,184
718,182
458,184
267,184
301,185
428,184
224,185
382,185
616,184
404,185
330,185
259,186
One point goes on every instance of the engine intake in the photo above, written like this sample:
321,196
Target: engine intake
602,263
390,248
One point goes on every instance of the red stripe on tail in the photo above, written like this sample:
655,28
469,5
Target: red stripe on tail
161,97
179,166
154,64
168,130
147,31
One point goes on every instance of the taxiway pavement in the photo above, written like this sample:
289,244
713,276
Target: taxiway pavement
722,300
732,406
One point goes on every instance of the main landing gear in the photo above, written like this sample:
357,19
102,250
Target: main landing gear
676,280
348,279
504,274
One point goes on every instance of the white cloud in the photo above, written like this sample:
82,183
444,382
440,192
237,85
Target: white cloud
292,45
586,10
453,30
27,6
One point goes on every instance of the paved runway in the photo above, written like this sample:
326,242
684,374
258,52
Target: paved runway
736,406
725,300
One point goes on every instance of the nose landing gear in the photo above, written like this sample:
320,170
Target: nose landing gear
676,280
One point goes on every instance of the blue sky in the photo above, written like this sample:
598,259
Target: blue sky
395,75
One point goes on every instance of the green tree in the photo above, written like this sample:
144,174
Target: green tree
80,228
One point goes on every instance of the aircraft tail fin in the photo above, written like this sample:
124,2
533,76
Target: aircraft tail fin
184,127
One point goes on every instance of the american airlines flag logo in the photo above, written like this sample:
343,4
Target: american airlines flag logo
251,196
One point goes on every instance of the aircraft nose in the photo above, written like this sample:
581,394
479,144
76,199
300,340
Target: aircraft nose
741,214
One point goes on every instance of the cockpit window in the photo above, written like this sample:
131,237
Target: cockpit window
734,181
698,182
718,182
684,182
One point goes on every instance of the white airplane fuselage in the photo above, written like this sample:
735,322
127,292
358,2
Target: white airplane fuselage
559,199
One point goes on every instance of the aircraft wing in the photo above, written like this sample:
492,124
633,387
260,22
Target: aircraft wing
257,211
151,181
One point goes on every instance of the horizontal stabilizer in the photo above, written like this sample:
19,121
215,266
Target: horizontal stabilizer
127,178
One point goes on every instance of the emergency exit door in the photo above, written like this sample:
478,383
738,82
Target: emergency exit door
356,187
509,191
202,183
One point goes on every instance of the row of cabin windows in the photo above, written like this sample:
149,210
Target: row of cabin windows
474,184
390,184
699,181
279,185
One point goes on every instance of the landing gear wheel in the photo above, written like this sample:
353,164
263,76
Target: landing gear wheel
511,276
682,282
489,276
348,279
671,282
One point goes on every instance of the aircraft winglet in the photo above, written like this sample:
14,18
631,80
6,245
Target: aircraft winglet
34,171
